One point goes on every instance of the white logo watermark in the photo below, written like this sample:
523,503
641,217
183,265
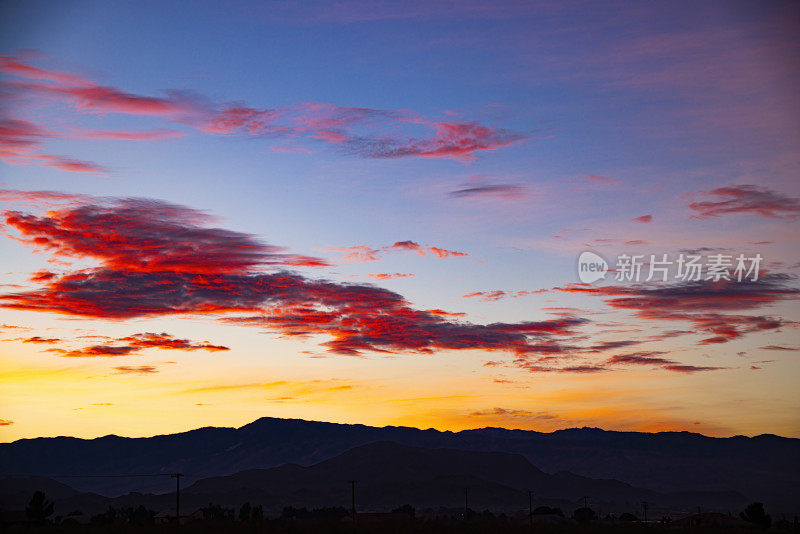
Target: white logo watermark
591,267
662,267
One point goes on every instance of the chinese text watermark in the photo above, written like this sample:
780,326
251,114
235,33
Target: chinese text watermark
663,267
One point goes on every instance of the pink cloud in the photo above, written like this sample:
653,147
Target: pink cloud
389,276
750,199
365,132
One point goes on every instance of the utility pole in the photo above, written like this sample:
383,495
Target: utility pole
466,503
177,499
644,511
530,507
585,501
353,500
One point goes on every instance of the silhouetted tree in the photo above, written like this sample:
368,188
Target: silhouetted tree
755,513
290,512
628,517
39,508
244,512
256,513
584,515
137,516
251,513
215,512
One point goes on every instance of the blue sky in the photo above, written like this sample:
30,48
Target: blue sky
515,134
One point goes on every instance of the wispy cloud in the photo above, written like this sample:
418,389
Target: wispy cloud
653,358
749,199
108,351
484,190
364,253
490,296
369,133
389,276
138,370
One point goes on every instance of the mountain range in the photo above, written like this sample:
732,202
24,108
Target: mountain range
288,461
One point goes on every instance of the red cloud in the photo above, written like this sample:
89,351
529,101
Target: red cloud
486,295
747,199
389,276
423,251
362,131
134,343
15,67
443,313
640,358
706,304
652,358
497,295
363,253
357,317
358,253
141,369
20,144
166,341
43,198
127,135
157,261
41,276
452,139
643,219
707,295
38,339
690,368
93,97
148,236
536,367
97,350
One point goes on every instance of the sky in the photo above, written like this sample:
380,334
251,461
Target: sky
373,212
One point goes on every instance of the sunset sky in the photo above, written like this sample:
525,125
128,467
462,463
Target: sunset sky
371,212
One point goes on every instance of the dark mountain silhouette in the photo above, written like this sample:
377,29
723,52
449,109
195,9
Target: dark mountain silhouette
389,474
764,467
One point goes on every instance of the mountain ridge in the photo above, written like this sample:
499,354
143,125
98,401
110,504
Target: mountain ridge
762,467
403,427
